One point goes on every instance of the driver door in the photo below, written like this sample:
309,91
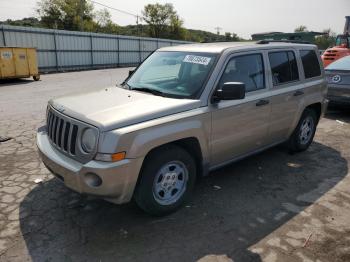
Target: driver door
241,126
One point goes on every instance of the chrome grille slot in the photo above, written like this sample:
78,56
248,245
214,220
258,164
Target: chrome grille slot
65,137
60,133
64,131
73,139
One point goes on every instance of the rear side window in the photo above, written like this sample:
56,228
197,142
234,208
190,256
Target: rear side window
283,67
248,69
310,63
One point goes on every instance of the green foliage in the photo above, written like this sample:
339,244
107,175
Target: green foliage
205,36
325,41
28,21
104,23
162,20
176,30
134,30
79,15
301,28
66,14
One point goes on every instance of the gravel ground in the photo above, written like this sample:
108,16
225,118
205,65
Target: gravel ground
270,207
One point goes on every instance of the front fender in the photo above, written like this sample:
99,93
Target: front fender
151,138
138,140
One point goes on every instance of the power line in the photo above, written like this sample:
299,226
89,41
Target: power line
138,18
116,9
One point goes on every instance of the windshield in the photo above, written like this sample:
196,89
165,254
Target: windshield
340,64
173,74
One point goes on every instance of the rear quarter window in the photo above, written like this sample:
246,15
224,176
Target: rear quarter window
311,63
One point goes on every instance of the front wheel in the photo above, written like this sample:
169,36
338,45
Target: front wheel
304,133
167,179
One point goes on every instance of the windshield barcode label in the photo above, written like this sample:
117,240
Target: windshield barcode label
197,59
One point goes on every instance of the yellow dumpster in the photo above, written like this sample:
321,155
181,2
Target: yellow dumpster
18,62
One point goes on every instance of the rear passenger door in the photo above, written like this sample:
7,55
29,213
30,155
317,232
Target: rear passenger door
286,93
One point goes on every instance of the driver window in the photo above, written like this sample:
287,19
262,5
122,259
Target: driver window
248,69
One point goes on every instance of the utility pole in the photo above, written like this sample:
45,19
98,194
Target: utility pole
218,30
137,25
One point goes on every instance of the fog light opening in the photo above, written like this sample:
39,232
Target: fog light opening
92,180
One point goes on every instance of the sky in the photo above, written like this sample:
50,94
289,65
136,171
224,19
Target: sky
243,17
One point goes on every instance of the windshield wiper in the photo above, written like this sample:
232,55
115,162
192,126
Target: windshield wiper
148,90
124,85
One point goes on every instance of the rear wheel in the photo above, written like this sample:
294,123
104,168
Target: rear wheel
304,133
167,179
36,77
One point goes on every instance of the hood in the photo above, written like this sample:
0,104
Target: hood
112,108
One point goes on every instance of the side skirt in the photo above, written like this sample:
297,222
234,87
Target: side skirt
233,160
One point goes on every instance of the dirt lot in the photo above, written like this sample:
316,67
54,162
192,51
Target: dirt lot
270,207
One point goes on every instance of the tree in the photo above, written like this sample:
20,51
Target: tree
27,21
327,40
104,23
159,18
66,14
301,28
176,30
235,37
103,17
161,21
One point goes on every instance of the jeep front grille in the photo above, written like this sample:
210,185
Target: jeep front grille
64,132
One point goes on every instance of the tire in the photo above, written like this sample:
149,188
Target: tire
166,180
304,133
36,77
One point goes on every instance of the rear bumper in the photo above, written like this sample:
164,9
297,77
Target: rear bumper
118,178
339,94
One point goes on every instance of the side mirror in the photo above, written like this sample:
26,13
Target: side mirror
131,72
230,91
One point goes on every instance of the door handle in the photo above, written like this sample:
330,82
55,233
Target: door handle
298,93
262,102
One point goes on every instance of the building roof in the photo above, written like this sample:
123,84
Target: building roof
267,33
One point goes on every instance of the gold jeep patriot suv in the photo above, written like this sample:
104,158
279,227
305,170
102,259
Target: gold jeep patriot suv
185,111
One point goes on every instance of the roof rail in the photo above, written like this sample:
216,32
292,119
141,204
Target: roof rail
264,42
218,41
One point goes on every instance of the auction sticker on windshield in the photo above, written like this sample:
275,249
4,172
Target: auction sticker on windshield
197,59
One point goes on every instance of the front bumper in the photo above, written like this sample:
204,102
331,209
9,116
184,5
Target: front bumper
118,178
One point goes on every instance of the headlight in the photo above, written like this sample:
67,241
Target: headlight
88,140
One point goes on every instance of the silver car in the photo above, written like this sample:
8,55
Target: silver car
185,111
338,77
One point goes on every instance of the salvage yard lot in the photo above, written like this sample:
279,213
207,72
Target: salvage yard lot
270,207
